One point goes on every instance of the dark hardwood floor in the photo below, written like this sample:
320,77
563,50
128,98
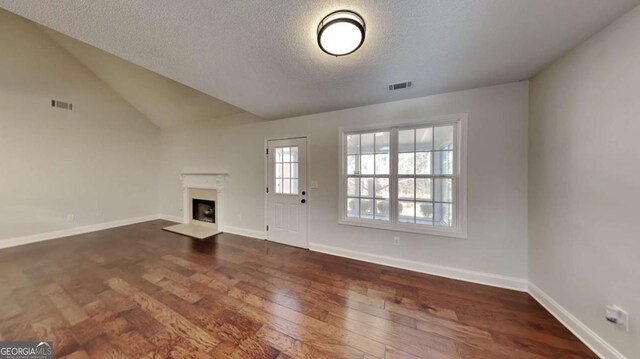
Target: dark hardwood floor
138,291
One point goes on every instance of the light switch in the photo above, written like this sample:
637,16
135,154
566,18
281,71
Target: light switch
314,184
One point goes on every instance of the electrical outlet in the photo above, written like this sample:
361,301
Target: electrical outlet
617,316
71,217
396,241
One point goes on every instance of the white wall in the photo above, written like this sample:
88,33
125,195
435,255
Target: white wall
497,177
99,161
584,168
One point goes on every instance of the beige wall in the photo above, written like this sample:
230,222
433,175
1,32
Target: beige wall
161,100
497,176
99,161
584,168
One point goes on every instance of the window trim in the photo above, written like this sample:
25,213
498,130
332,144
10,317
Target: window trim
460,176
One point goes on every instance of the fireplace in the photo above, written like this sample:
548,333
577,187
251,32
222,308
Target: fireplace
203,210
202,205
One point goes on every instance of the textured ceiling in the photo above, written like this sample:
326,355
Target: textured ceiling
262,55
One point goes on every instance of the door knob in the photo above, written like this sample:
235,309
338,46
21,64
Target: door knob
303,201
303,193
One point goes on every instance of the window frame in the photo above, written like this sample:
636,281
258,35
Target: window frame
459,230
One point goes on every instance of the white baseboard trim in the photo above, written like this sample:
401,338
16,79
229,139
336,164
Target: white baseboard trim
33,238
18,241
590,338
244,232
494,280
168,217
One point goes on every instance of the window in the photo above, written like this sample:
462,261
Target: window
407,178
368,175
286,170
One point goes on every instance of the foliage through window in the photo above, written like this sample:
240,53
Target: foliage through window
402,176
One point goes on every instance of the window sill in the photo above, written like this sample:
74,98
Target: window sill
452,233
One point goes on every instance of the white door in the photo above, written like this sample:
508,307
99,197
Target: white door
287,191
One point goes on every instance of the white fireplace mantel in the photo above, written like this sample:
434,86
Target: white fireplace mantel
192,183
215,181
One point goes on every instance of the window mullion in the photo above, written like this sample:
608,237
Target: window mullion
359,157
393,176
415,170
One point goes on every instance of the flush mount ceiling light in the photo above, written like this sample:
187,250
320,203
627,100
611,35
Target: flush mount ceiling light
341,33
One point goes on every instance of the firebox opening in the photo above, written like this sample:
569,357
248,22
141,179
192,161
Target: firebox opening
204,210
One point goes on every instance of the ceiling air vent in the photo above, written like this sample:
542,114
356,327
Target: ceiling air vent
62,105
400,86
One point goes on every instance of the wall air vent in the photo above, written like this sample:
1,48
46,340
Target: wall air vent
400,85
62,105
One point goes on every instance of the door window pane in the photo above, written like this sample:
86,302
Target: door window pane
286,170
286,185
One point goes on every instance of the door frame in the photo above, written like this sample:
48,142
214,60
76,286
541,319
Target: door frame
265,183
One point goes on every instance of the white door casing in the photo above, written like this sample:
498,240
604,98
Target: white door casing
287,191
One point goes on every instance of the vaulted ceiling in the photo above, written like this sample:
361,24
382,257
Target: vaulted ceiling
164,102
262,56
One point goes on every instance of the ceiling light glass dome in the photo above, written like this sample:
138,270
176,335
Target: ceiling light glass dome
341,33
